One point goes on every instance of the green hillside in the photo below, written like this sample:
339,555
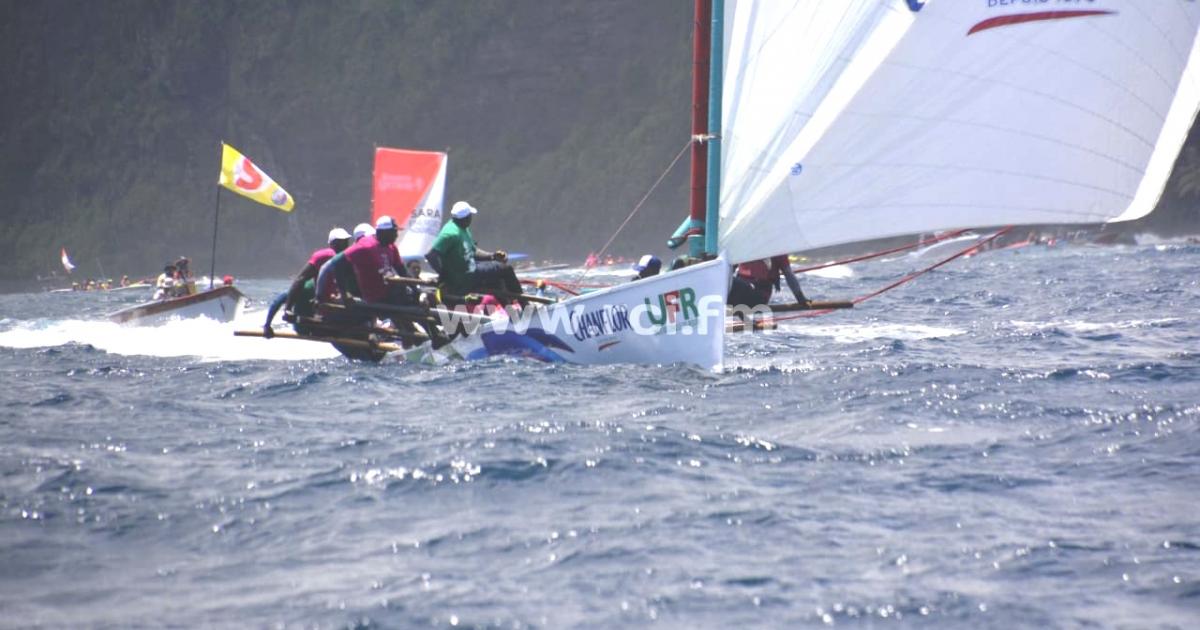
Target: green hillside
557,115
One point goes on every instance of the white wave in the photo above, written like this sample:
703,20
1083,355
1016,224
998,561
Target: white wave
834,272
201,337
1077,326
854,333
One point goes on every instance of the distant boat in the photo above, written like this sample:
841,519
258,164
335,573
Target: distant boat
66,261
222,304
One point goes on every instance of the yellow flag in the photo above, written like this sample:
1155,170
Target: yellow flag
241,176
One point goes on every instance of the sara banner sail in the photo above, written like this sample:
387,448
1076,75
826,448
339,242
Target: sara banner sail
410,187
241,176
848,121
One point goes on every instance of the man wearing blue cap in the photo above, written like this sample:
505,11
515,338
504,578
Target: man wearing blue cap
462,267
649,265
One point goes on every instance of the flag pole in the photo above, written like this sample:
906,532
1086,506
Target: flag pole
212,270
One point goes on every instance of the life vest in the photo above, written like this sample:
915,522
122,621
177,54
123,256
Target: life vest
763,274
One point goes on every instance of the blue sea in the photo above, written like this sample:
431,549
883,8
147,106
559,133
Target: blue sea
1012,440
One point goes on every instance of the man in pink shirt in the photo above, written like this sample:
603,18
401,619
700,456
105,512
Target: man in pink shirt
374,259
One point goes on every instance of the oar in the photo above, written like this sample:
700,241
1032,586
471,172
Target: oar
813,305
757,326
545,268
809,306
417,282
408,313
354,343
342,329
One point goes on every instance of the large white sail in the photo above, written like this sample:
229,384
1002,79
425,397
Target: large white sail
859,119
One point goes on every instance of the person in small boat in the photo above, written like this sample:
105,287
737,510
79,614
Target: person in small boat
462,267
299,297
646,267
185,284
164,286
755,282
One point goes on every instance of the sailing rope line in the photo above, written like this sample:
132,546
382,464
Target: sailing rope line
906,279
687,145
928,241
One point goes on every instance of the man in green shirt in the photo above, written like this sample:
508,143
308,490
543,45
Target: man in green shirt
462,267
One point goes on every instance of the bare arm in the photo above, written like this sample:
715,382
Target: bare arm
793,284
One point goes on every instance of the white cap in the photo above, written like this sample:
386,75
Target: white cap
363,229
338,234
385,223
462,210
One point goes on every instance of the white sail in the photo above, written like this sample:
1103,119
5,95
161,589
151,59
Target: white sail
860,119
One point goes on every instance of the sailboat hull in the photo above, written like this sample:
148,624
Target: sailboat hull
221,304
677,317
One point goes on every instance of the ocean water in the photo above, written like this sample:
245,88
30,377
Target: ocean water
1009,441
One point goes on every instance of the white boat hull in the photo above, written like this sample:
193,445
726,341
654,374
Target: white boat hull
676,317
222,304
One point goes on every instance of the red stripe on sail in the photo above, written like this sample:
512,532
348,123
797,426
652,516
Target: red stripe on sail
1007,20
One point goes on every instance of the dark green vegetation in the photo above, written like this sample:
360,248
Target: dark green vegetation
558,116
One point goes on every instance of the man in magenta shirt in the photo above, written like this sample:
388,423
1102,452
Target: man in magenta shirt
298,297
375,258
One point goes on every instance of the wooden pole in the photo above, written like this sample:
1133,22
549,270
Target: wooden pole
417,282
212,269
355,343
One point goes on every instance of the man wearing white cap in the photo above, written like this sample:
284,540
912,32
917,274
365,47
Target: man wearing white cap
361,230
462,267
368,263
299,295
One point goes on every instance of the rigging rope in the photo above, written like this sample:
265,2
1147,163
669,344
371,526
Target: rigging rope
906,279
687,145
928,241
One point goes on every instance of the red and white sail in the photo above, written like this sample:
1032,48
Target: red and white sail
410,187
66,261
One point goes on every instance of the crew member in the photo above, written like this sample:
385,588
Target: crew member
185,284
299,296
756,281
649,265
164,286
461,266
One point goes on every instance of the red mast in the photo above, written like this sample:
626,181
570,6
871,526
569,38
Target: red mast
701,38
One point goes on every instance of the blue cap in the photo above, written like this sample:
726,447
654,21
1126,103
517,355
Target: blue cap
647,261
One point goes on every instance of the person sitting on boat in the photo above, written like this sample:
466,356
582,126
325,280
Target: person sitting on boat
185,284
164,287
363,269
300,295
462,267
648,266
757,280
